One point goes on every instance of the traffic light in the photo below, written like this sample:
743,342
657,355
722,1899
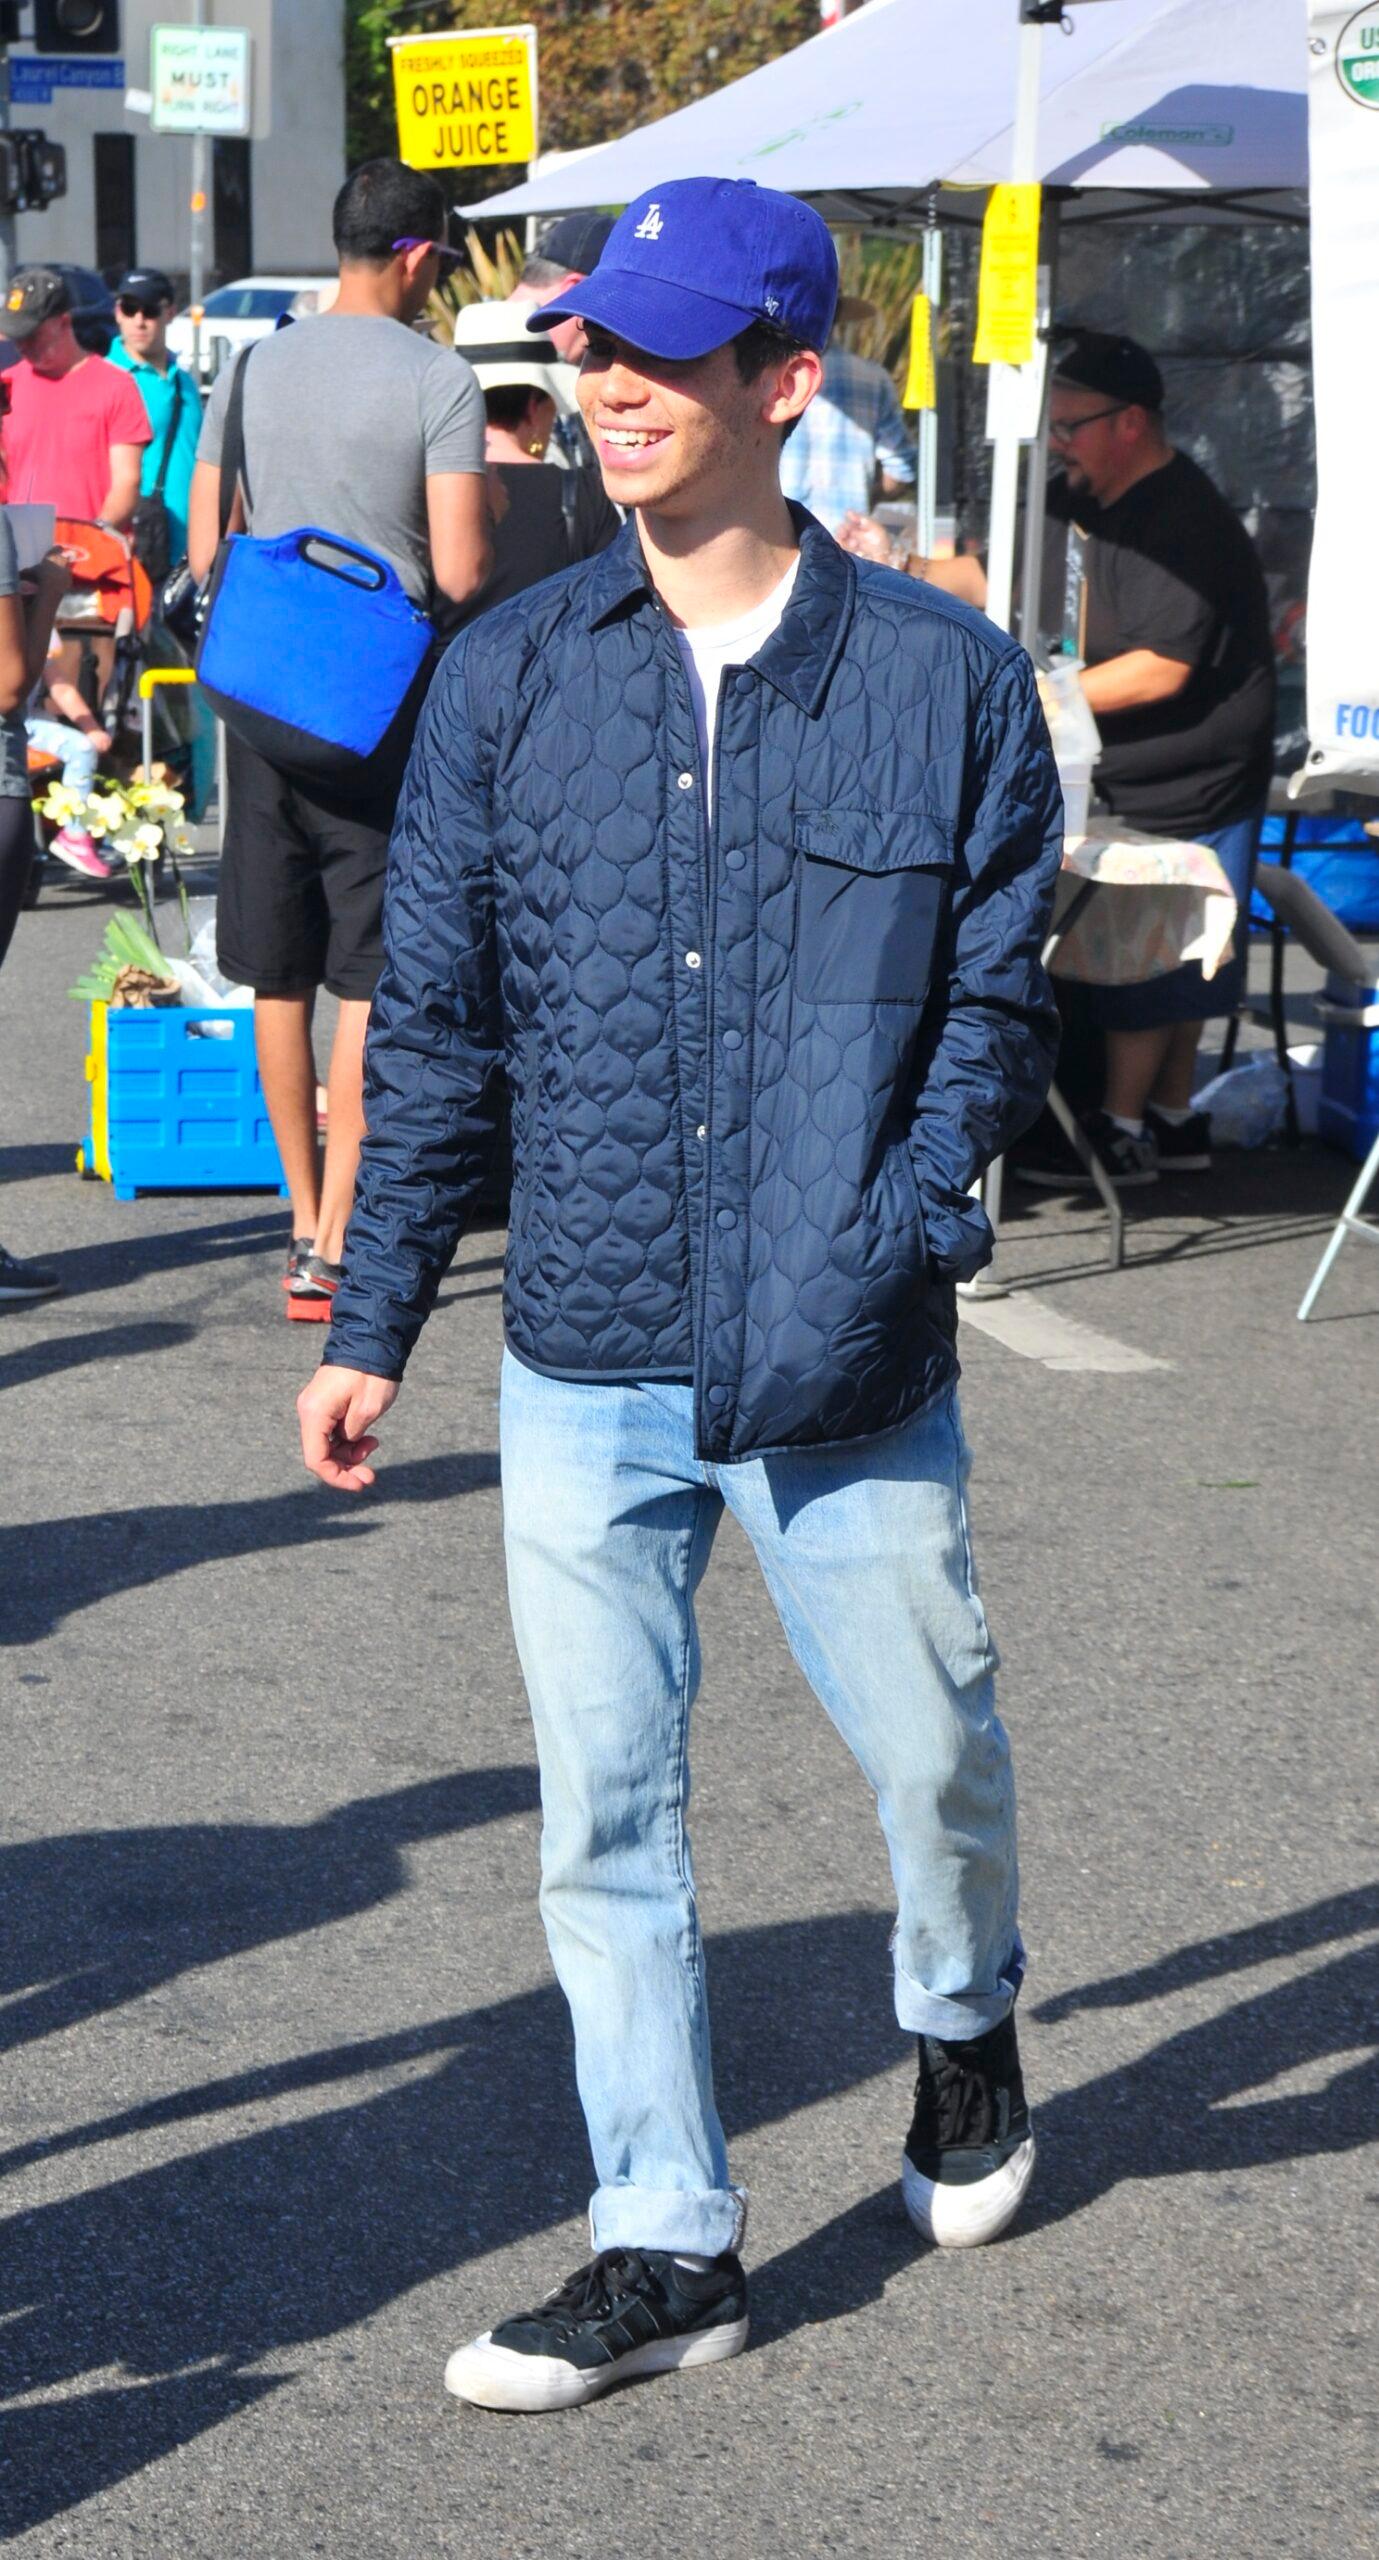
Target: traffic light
76,26
33,171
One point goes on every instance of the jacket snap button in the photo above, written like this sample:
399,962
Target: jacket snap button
694,960
732,1039
718,1395
703,1129
734,860
685,781
727,1218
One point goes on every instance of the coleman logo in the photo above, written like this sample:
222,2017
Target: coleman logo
650,226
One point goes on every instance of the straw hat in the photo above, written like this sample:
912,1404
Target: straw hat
491,336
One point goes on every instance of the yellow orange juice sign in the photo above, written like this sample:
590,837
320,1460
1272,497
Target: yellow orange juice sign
466,101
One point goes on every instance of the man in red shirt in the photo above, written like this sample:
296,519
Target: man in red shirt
77,427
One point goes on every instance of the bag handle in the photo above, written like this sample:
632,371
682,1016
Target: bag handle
169,432
328,552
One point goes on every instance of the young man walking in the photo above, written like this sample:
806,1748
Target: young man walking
358,426
736,856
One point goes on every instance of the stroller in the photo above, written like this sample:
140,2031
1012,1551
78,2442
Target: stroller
108,637
102,620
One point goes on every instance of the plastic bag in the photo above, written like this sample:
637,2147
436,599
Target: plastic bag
204,966
1247,1104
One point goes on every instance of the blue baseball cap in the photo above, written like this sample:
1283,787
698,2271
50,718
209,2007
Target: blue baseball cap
689,266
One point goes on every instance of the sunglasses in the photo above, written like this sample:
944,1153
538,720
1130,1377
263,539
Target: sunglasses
440,248
130,308
1062,430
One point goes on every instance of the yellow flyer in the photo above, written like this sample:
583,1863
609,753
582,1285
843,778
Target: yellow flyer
1008,284
919,381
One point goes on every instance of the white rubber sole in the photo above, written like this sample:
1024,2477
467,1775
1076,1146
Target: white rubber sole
964,2217
492,2377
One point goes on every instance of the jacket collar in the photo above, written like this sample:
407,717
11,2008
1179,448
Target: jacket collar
801,654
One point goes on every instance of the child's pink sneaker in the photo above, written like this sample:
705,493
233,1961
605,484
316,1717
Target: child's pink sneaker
78,851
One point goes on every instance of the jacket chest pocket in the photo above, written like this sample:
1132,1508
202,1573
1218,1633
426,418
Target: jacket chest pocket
873,887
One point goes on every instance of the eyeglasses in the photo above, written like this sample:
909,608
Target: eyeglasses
1062,430
130,309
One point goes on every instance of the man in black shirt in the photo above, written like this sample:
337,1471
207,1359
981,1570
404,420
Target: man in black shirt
1163,598
1151,579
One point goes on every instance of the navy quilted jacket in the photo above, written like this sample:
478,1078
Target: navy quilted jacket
754,1065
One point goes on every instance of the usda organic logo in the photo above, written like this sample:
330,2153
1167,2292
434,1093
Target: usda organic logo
1357,56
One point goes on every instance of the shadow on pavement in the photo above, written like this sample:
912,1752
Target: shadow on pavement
116,1260
1182,2109
56,1352
51,1569
28,1163
189,2272
100,1917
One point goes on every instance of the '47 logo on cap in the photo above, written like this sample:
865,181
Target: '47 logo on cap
650,226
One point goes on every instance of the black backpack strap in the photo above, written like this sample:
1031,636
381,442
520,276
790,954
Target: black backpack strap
232,464
170,430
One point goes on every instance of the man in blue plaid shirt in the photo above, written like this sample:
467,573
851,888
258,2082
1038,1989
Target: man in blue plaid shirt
852,429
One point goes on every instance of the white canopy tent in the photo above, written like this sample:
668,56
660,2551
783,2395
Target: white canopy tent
896,112
905,94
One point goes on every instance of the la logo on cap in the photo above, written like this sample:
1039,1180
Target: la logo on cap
651,226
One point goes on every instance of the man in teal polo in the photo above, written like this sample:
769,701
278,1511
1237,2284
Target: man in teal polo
143,307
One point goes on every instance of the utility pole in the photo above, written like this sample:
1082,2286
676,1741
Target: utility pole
8,246
200,171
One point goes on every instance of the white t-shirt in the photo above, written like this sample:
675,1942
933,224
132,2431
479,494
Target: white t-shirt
707,651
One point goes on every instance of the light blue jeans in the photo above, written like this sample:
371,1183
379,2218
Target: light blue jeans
609,1520
79,757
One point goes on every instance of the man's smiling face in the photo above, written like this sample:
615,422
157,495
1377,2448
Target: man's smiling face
674,435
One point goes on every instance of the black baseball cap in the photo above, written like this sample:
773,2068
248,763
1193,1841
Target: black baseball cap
36,294
576,242
145,284
1119,368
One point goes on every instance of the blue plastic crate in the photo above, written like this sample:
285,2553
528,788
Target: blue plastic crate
183,1105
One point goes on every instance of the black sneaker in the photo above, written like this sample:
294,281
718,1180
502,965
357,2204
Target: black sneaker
22,1282
1129,1160
629,2311
970,2152
1184,1146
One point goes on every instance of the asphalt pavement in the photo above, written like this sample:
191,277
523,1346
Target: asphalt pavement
287,2110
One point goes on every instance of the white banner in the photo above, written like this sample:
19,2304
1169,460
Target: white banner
1343,590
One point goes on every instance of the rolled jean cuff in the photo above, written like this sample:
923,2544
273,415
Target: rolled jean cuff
704,2222
956,2021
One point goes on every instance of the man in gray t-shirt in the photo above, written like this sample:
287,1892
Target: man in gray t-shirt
354,424
347,418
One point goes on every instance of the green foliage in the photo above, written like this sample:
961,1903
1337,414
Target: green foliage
605,65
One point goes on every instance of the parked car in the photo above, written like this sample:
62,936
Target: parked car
236,314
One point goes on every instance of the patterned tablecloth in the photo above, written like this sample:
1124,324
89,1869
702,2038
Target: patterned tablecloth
1171,902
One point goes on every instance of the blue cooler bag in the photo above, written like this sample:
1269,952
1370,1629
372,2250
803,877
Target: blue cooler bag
314,654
